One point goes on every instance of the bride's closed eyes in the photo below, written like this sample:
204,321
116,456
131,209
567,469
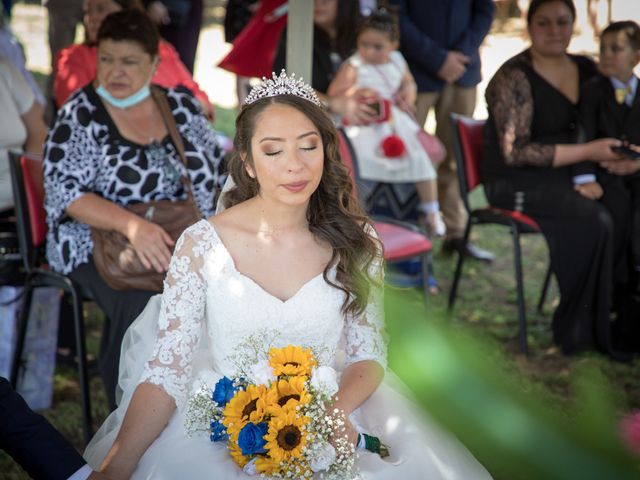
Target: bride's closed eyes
273,153
271,146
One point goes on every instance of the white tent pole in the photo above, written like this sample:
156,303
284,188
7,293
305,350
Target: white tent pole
300,38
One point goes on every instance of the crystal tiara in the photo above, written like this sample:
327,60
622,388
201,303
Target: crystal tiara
282,85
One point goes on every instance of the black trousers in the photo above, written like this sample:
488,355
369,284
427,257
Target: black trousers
631,185
586,243
120,308
32,441
627,274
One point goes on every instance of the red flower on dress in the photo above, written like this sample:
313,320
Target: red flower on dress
393,146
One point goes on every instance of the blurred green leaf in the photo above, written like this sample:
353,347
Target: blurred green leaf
515,433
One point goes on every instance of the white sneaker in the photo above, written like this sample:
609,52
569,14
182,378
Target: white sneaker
432,224
439,228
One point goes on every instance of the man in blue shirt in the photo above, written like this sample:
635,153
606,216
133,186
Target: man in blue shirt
440,40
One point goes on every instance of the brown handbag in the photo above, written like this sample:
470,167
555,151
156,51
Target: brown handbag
114,256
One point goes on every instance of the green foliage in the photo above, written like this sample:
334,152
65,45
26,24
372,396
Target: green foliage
511,430
226,120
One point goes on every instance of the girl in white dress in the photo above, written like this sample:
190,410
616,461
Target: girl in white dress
291,261
378,75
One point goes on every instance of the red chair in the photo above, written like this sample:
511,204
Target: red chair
28,194
468,143
401,241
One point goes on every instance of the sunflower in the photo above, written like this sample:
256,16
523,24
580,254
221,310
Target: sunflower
287,394
286,436
291,361
236,454
245,406
267,465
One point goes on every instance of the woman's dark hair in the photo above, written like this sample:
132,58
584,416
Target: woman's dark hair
630,29
130,25
382,20
334,215
536,4
347,20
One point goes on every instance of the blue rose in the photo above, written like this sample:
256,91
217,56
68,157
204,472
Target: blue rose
224,391
218,432
251,438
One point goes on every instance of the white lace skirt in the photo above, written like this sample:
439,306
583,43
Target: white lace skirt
419,448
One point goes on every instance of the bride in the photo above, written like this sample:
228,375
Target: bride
292,260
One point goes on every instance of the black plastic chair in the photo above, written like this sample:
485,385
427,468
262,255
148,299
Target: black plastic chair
28,193
468,142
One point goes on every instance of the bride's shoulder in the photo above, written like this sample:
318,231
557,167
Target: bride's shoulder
200,234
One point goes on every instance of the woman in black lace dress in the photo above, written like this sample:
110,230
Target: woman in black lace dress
532,149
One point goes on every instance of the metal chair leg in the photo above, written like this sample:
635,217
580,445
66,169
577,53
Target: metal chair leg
545,289
23,323
81,351
427,273
458,272
522,319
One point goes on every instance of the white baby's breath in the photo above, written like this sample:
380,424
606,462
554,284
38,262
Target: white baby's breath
321,456
261,373
200,410
324,380
250,467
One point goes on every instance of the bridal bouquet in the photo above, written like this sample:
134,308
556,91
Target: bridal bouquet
276,420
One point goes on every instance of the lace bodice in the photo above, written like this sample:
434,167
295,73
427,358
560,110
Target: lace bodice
208,305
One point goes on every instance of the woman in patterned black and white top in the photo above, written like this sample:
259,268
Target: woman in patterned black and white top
110,148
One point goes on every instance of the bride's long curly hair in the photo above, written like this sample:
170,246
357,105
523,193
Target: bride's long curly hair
334,214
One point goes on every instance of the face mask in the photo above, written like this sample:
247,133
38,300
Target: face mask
127,102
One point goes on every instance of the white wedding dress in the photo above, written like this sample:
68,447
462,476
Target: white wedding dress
208,314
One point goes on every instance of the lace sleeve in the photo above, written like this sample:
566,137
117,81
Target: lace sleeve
182,314
510,101
365,334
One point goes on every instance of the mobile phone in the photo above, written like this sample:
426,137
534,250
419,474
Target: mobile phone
382,108
627,152
375,106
